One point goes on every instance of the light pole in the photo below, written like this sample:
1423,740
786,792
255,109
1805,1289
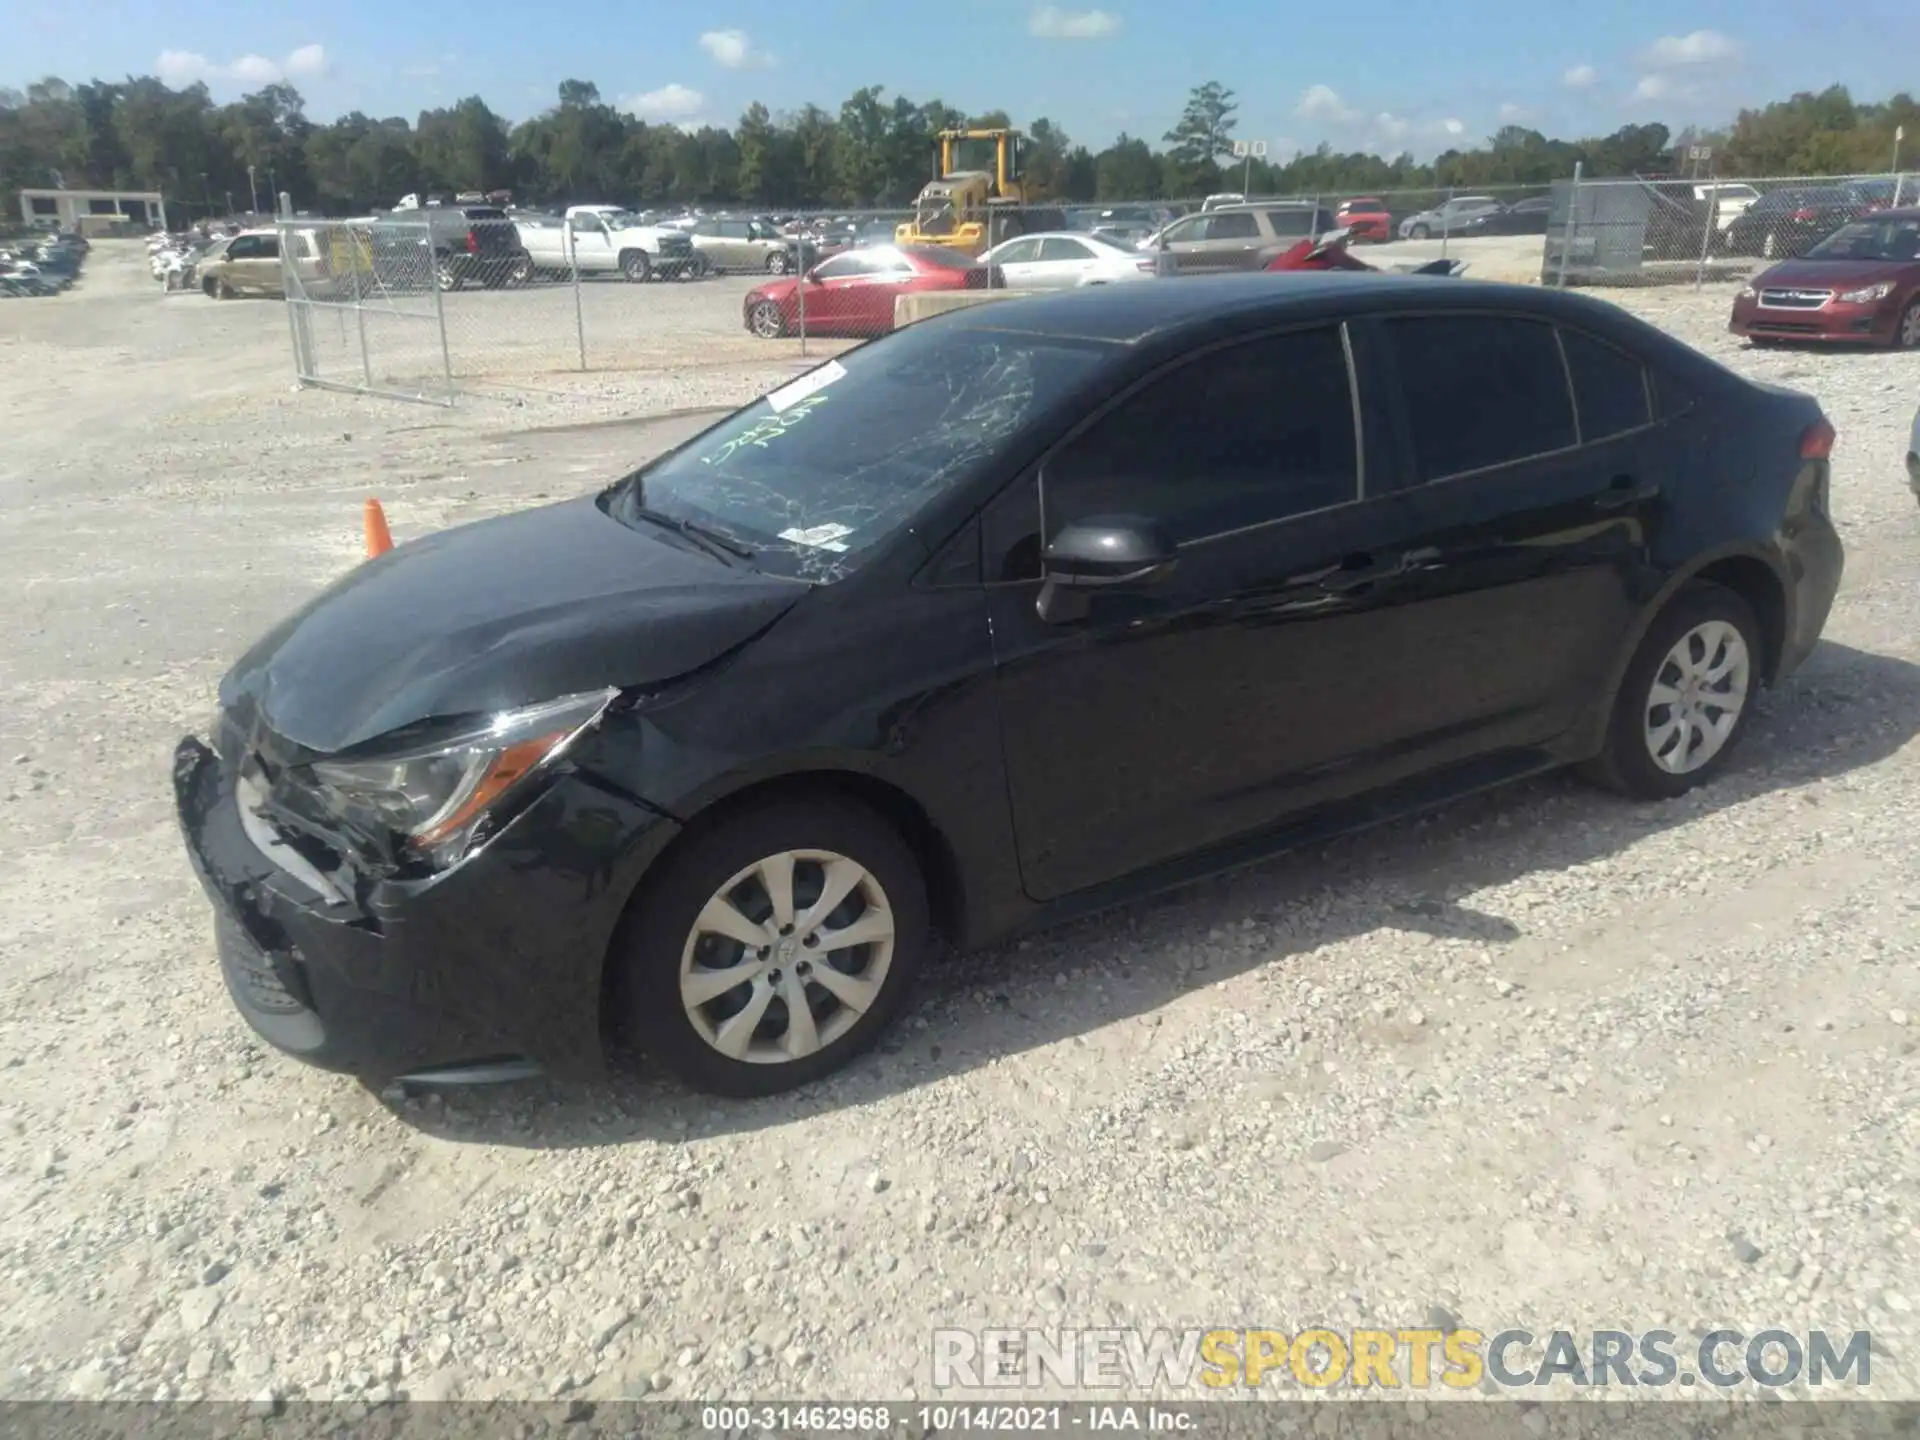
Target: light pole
253,192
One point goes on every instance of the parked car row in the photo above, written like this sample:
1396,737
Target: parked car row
37,266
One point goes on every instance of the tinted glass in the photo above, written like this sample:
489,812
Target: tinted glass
815,475
1481,390
1252,433
841,266
1056,248
1291,222
1233,225
1669,398
1019,252
1609,386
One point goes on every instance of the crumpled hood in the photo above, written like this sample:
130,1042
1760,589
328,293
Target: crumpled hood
504,612
1831,274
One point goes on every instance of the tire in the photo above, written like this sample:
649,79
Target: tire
520,271
1770,245
210,289
1906,331
667,938
699,269
1419,232
446,277
635,265
778,263
1708,620
767,321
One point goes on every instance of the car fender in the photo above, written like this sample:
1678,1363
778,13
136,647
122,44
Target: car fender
1590,736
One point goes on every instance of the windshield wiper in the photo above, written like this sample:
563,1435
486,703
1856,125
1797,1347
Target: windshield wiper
715,542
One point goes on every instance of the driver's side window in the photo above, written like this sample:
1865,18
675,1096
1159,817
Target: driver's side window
1020,252
1194,227
840,267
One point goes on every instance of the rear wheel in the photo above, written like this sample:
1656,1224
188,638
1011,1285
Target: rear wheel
777,263
773,947
767,320
1419,232
1686,696
635,265
446,276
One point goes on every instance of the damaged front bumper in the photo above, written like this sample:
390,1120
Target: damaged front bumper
489,970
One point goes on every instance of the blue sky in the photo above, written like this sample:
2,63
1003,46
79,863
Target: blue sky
1414,77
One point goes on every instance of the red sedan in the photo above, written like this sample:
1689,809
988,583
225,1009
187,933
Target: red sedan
1366,217
852,294
1860,285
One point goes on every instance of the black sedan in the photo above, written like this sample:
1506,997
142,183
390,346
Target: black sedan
1013,614
1523,217
1785,223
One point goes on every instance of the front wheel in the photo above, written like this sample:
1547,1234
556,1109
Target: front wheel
773,947
767,321
1685,698
698,269
445,276
1906,333
635,265
777,263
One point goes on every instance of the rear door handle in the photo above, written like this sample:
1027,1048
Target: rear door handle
1624,490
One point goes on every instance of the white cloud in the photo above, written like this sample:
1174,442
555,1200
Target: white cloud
670,103
1580,77
1453,127
1653,87
1510,112
186,67
733,50
308,60
1702,47
1391,126
1323,103
1050,22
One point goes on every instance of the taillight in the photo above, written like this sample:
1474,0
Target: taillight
473,242
1148,267
1804,216
1816,441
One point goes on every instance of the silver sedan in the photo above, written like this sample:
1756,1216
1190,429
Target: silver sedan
1059,260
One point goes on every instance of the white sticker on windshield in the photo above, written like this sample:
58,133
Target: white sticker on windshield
806,385
820,537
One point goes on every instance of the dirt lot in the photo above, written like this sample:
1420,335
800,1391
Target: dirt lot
1548,1059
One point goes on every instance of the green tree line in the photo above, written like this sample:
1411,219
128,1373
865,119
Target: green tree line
875,150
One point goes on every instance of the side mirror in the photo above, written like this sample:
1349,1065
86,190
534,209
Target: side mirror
1099,552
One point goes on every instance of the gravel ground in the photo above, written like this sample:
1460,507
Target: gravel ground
1547,1059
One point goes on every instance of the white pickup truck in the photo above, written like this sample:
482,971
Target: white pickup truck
604,239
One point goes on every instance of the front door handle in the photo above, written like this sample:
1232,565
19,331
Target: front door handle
1357,572
1624,490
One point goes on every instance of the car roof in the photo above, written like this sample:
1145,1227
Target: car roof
1195,306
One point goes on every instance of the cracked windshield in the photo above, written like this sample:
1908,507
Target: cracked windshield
823,469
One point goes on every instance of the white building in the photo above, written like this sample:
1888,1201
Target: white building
92,209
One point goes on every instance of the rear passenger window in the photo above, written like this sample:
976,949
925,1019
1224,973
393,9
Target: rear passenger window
1252,433
1609,387
1233,225
1669,399
1481,390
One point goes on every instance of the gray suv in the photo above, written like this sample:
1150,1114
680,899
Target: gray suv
1236,237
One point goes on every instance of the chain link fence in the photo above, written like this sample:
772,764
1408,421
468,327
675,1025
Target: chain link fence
432,302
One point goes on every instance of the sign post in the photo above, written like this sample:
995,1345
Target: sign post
1249,151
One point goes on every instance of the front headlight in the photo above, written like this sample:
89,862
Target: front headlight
1747,292
1868,294
438,794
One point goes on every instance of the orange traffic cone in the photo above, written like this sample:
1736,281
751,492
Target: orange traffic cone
379,538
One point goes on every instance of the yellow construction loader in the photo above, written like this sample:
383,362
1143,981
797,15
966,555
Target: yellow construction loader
980,197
